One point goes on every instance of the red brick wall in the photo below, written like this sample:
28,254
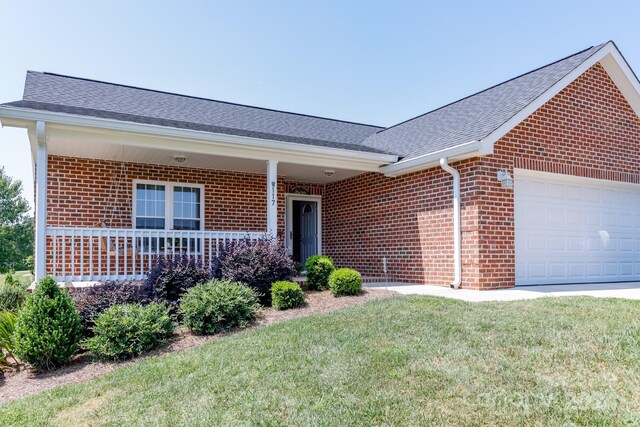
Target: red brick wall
86,192
588,130
407,219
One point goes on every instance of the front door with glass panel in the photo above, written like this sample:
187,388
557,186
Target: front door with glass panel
303,229
168,206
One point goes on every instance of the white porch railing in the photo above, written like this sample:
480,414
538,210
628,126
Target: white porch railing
92,254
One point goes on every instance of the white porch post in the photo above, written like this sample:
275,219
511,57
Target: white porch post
41,202
272,197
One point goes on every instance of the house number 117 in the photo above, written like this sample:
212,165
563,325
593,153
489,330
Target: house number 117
273,193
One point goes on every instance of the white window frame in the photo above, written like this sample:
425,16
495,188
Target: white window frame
168,202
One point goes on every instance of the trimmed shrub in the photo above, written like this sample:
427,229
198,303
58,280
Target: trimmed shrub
172,276
257,264
129,330
217,306
48,328
285,295
7,328
319,268
12,294
345,281
95,300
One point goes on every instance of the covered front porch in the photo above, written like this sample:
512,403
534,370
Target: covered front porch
113,200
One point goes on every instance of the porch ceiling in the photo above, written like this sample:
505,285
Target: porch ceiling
80,147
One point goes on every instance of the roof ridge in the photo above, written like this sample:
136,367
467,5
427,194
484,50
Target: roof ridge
203,98
492,87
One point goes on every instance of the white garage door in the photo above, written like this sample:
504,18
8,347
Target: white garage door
575,230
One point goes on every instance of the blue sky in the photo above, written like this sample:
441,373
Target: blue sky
366,61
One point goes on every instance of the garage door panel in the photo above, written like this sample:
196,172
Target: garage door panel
576,269
575,230
626,244
592,218
625,220
538,270
575,244
575,193
556,243
555,191
626,269
557,270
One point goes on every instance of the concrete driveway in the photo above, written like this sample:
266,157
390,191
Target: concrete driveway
628,290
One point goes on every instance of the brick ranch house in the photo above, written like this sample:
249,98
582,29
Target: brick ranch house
533,181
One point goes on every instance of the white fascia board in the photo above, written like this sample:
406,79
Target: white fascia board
426,161
15,115
623,77
609,56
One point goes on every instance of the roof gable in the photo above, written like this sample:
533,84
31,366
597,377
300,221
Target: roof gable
475,117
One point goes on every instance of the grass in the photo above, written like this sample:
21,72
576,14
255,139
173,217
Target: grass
24,277
400,361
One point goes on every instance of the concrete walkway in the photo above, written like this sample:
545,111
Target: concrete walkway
629,290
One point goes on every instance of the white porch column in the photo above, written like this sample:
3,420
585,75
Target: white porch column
272,197
41,202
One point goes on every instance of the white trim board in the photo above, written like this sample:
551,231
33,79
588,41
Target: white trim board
288,223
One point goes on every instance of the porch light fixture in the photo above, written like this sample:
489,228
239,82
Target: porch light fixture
505,179
180,158
329,173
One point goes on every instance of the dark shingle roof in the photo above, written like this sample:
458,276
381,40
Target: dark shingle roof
58,93
470,119
475,117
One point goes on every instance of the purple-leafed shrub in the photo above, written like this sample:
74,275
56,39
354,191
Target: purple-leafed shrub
258,264
95,300
171,276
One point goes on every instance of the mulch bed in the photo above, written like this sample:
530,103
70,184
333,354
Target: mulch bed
23,382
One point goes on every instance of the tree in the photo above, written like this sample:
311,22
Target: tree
16,227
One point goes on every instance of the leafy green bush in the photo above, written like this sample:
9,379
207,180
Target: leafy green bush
128,330
48,328
319,268
7,328
12,294
217,306
345,281
285,295
95,300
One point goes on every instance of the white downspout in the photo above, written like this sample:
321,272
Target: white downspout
457,243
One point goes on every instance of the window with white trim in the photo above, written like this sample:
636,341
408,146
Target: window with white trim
168,206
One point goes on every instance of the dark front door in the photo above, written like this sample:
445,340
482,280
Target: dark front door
305,229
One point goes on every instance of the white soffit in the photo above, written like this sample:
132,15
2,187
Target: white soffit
134,154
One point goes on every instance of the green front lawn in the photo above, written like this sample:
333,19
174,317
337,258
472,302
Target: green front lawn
400,361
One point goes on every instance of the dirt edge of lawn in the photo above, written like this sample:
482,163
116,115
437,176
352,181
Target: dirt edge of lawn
24,382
